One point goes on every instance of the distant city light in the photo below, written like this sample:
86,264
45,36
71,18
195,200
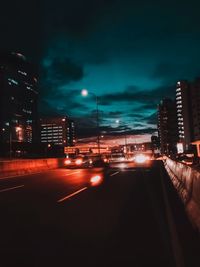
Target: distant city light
180,149
18,129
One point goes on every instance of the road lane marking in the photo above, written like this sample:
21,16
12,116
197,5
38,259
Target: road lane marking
71,195
114,173
71,173
11,188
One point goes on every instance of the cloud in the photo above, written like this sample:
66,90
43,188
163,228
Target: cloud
173,71
59,72
148,98
115,113
56,76
152,119
66,70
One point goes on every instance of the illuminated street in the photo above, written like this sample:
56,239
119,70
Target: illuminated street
56,217
100,133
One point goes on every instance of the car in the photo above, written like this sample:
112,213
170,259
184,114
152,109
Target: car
141,159
99,161
117,157
79,161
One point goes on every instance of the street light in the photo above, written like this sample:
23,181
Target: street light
85,93
125,137
18,130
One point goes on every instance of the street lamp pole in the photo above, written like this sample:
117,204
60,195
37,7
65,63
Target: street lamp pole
10,141
97,119
85,92
125,138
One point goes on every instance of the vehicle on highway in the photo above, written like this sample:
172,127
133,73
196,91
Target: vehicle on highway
141,158
78,161
99,161
117,157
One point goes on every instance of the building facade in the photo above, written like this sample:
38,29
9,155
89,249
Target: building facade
58,131
195,109
18,104
167,127
195,114
155,144
184,114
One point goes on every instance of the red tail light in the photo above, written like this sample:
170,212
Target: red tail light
67,162
79,161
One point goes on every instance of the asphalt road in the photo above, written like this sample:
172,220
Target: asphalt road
133,218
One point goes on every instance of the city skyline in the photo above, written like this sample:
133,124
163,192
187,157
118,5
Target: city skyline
130,54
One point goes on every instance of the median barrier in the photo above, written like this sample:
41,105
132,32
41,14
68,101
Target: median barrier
26,166
186,180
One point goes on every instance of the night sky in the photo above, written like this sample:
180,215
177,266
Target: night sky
129,53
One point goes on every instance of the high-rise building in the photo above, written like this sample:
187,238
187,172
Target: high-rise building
155,144
184,113
195,113
195,109
57,131
167,126
18,104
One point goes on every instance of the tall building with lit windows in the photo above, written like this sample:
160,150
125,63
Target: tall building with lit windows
57,131
195,113
167,126
184,113
195,107
18,104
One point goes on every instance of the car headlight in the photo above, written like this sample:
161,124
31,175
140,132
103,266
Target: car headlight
140,158
96,180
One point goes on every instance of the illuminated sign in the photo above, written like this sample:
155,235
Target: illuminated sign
180,148
70,150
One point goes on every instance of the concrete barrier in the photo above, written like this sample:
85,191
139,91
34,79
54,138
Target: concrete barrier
187,182
26,166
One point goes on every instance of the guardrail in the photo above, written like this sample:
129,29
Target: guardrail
186,180
27,166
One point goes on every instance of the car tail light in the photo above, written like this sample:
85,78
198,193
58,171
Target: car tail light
79,161
67,161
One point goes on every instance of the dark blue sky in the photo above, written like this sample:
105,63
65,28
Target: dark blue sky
129,53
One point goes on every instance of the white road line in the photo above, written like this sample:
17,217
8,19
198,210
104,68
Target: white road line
11,188
71,173
114,173
71,195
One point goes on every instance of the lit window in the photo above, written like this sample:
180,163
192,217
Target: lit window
22,72
12,81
